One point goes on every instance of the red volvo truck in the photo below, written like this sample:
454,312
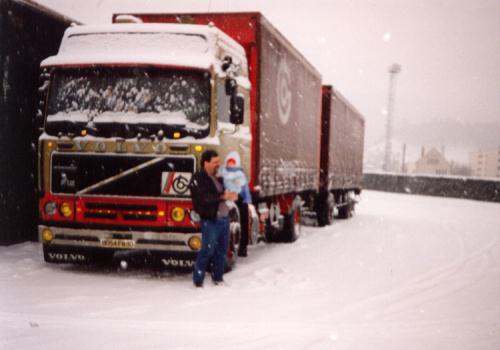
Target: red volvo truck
129,107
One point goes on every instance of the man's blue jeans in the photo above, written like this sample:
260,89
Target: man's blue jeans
215,240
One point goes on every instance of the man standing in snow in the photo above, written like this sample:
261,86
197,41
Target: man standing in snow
209,201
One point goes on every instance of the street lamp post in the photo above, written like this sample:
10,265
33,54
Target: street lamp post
394,69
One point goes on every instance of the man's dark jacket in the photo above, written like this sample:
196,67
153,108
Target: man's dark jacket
205,196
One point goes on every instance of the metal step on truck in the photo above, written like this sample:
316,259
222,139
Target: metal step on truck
128,108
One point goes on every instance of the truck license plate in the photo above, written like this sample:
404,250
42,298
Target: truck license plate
118,243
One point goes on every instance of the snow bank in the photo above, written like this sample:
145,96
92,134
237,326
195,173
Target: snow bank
484,189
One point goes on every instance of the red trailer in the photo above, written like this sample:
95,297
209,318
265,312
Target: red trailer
342,142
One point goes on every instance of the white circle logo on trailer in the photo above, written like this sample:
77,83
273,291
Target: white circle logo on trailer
284,92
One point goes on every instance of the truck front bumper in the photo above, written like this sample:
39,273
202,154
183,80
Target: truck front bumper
86,246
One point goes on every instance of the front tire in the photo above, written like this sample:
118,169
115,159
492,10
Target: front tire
234,240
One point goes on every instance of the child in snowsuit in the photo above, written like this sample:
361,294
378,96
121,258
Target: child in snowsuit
234,178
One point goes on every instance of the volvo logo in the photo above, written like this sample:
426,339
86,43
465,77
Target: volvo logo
69,257
172,262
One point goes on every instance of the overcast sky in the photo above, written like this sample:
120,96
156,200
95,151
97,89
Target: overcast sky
449,49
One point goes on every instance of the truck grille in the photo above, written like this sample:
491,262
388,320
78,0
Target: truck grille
115,206
126,212
105,174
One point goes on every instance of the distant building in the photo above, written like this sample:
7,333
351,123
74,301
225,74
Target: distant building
485,163
432,162
410,168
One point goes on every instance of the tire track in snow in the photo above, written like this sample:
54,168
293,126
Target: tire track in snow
432,286
62,331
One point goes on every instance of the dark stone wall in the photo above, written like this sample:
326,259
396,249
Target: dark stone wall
28,34
457,187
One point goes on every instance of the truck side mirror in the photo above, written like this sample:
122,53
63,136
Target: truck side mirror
237,109
230,86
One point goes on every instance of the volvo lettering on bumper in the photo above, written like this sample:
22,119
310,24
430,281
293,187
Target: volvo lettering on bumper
67,257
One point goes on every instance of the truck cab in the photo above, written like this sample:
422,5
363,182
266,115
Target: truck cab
127,111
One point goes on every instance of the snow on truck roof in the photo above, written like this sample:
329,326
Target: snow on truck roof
185,45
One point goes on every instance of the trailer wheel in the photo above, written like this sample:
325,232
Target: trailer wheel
291,226
326,209
346,210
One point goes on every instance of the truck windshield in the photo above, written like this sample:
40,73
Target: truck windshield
129,102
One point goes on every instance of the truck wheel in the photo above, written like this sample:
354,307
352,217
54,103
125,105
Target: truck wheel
271,233
272,224
326,211
291,226
234,239
232,251
254,226
345,211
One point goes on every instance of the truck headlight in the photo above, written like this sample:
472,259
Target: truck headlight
177,214
194,243
66,209
47,235
50,208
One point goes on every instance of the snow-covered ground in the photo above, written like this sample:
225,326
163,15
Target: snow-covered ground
406,272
